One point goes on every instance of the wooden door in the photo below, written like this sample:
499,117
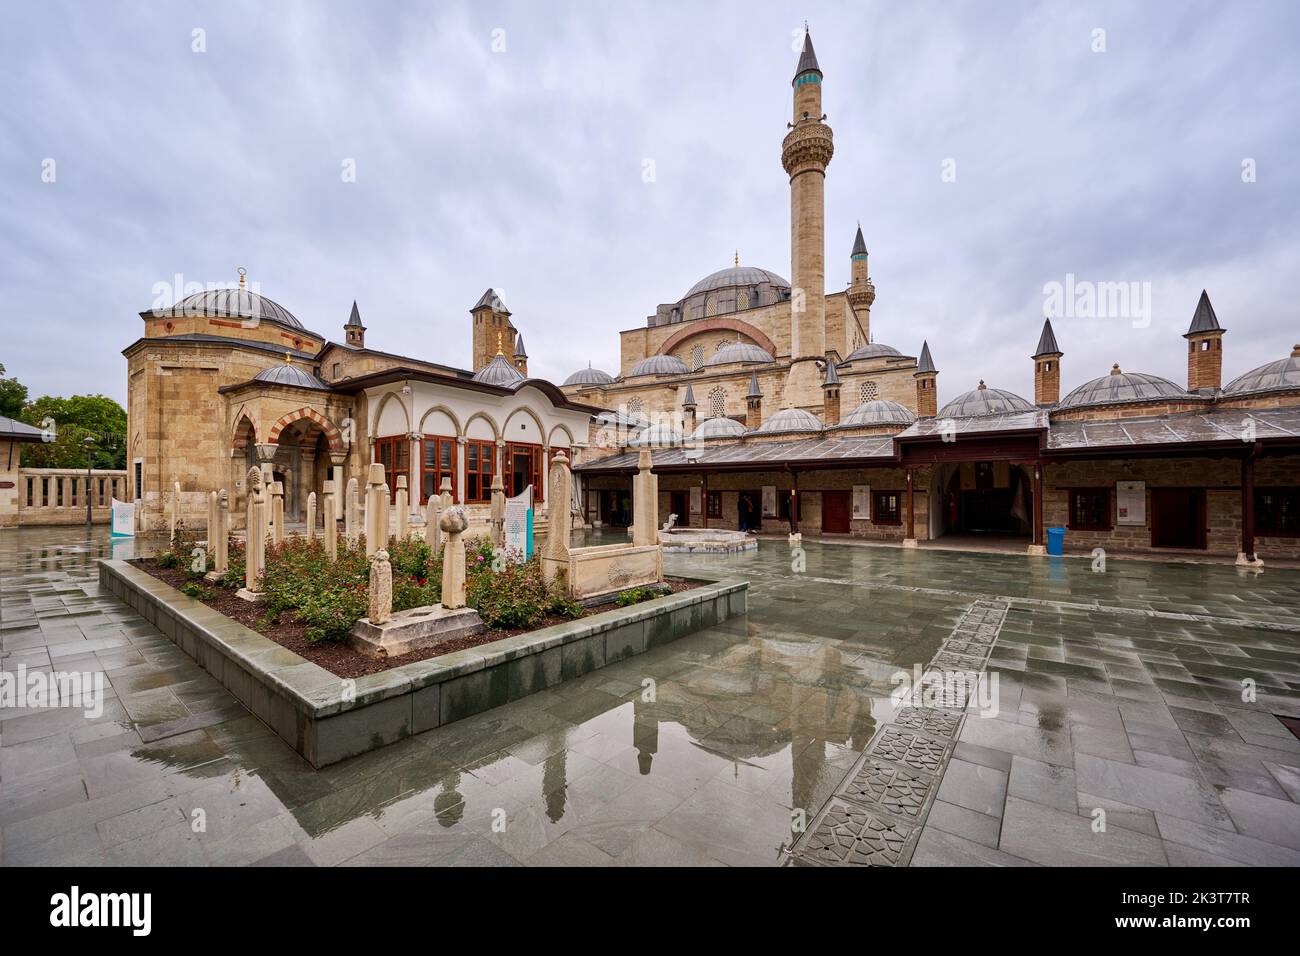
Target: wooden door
679,503
1178,517
836,509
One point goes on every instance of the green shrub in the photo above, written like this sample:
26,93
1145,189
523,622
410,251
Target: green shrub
235,567
635,596
517,595
196,590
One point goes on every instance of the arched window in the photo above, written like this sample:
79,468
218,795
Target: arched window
869,392
742,300
717,402
697,358
711,305
634,407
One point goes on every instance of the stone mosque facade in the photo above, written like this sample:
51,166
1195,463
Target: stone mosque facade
767,403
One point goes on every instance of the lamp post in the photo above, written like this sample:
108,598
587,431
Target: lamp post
89,442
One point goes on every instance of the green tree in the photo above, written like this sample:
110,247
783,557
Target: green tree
13,396
70,421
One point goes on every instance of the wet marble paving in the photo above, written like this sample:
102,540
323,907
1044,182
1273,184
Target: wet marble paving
1119,691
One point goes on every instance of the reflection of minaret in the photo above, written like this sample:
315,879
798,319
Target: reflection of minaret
645,734
449,805
553,784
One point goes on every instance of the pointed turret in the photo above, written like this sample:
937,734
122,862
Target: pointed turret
491,321
1047,367
521,355
831,395
1204,348
859,244
862,292
753,403
807,59
354,333
927,377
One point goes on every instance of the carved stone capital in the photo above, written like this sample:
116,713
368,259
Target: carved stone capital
808,146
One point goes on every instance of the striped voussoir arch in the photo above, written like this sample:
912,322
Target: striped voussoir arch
332,433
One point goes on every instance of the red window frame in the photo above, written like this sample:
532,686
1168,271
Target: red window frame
394,453
431,474
534,476
480,465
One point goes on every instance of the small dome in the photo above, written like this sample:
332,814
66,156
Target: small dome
984,401
739,352
718,428
1282,375
1119,387
880,411
236,304
873,350
589,376
658,435
289,374
658,365
499,372
790,420
734,276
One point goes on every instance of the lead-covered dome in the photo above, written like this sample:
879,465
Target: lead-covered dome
983,400
790,420
1280,376
736,276
873,350
740,352
290,374
236,304
658,435
880,411
1120,388
499,372
718,428
589,376
658,365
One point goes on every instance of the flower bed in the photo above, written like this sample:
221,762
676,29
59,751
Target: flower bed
310,603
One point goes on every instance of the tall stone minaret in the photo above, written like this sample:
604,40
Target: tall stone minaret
862,291
805,155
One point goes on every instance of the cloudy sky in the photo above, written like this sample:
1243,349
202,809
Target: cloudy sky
506,145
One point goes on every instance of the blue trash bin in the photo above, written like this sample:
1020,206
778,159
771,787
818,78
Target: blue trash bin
1056,541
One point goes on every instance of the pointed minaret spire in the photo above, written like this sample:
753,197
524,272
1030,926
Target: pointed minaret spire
1047,367
354,333
807,59
753,403
831,395
859,244
1204,348
927,378
521,355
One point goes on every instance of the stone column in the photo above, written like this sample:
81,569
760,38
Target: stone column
910,540
555,556
277,512
376,510
212,523
331,522
175,510
336,475
546,481
416,485
645,502
453,523
255,548
311,516
498,519
351,520
402,508
1247,557
381,588
221,557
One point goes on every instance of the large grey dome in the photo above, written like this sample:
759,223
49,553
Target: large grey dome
880,411
289,374
658,365
984,401
499,372
236,304
1282,375
589,376
658,435
1119,388
790,420
873,350
718,428
737,275
739,352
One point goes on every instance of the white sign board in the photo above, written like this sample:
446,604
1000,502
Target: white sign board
769,501
519,525
123,518
1131,502
862,502
696,499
